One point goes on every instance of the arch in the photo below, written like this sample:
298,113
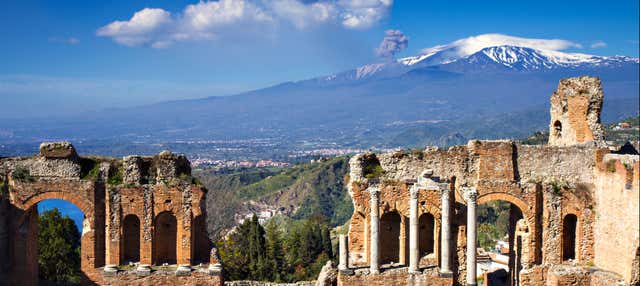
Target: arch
569,236
32,201
165,238
130,238
390,237
501,196
426,234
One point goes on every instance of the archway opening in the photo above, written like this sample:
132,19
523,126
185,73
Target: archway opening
500,251
557,129
130,239
426,227
390,237
165,238
57,226
569,228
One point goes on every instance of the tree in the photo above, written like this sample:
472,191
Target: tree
274,256
59,248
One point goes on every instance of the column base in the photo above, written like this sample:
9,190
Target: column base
143,270
183,270
110,270
446,274
374,271
346,271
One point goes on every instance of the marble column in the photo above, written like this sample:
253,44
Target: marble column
471,195
445,231
413,230
343,264
374,242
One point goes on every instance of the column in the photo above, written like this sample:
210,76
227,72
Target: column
413,229
343,265
445,231
374,257
471,195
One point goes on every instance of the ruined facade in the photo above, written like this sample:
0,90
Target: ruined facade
140,213
574,206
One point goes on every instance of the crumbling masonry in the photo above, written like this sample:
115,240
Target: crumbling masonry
574,206
140,213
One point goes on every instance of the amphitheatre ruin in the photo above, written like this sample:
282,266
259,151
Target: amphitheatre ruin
574,210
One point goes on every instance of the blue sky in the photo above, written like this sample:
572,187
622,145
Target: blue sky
92,54
66,208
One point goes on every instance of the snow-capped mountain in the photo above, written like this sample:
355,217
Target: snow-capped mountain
497,51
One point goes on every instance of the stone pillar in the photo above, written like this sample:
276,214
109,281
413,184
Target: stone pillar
445,232
343,265
413,230
374,242
471,195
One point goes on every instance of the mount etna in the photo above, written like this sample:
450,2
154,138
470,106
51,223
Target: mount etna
488,86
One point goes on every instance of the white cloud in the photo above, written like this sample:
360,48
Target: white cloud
598,44
302,15
468,46
362,14
140,29
157,28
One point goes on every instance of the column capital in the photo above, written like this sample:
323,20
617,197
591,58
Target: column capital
413,192
444,188
470,194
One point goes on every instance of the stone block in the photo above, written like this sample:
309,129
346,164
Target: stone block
58,150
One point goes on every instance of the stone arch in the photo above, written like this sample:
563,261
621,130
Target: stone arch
25,227
426,234
569,237
165,238
130,239
82,205
390,237
522,205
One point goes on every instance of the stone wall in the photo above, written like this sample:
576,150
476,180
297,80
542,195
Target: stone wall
106,190
398,276
617,233
195,278
579,203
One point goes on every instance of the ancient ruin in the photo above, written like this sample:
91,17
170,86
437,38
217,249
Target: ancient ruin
573,217
142,210
574,206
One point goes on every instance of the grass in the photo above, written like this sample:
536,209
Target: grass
89,169
115,178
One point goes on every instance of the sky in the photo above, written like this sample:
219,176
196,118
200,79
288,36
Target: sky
85,55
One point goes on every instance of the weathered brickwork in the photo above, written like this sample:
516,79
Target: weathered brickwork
574,203
137,210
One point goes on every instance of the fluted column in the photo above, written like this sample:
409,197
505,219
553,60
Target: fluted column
471,195
413,229
445,231
374,242
343,264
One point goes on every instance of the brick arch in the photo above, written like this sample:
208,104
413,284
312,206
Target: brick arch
32,201
82,205
522,205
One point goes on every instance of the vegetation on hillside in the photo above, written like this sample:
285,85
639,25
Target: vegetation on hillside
493,223
58,249
312,189
282,251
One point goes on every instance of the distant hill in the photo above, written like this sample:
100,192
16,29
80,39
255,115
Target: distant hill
300,191
484,87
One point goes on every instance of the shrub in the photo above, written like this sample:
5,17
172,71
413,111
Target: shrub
22,174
